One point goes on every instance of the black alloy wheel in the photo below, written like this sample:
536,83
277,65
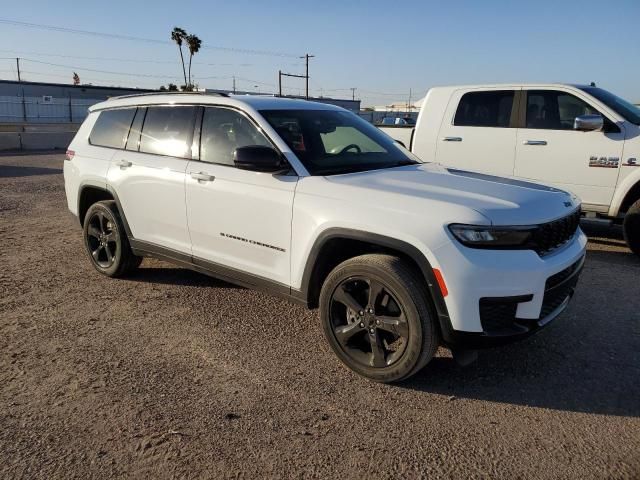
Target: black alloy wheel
368,322
102,239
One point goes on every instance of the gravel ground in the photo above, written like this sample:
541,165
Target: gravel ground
171,374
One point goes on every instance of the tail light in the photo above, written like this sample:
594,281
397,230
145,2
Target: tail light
69,155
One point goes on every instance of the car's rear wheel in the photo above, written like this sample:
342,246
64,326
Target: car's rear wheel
377,317
106,241
631,227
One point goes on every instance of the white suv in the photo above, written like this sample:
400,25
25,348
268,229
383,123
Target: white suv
309,201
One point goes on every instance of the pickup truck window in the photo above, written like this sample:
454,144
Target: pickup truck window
330,142
554,110
485,109
625,109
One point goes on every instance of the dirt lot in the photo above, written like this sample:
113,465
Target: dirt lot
171,374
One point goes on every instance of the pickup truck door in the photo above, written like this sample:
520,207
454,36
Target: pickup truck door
478,131
549,150
238,219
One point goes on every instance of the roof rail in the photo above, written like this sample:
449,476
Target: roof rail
148,94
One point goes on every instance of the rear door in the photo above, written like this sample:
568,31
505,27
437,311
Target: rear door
478,131
149,175
237,218
551,151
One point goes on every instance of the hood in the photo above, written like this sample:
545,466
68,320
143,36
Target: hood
503,201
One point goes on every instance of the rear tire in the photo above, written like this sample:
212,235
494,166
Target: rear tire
631,227
377,317
106,241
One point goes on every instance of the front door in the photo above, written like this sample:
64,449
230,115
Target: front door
478,132
237,218
550,151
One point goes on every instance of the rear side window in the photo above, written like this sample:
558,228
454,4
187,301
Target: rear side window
554,110
485,109
111,128
168,131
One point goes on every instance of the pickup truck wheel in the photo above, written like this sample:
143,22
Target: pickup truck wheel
631,227
377,317
106,241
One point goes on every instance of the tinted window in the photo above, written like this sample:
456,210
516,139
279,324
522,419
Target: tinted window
111,127
553,110
168,131
224,130
334,141
133,141
485,109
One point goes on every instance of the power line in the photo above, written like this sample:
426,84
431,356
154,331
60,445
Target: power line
108,72
132,38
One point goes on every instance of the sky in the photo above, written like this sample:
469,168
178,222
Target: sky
386,49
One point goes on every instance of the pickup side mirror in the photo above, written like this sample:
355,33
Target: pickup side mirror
259,158
587,123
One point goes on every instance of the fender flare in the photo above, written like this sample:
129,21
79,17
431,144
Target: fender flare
623,190
406,248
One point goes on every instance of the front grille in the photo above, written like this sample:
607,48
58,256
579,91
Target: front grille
560,286
549,236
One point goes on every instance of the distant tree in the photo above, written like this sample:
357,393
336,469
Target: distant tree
194,44
76,79
162,88
178,35
172,87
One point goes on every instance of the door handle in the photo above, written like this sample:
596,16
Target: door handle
535,142
124,163
202,176
451,139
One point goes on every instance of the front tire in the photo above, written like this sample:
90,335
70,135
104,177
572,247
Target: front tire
631,227
377,317
106,241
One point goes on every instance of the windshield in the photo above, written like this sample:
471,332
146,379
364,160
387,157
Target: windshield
330,142
622,107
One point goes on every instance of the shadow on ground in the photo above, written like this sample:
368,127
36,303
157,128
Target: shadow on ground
13,171
177,276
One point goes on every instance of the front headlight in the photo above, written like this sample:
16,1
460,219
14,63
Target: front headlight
477,236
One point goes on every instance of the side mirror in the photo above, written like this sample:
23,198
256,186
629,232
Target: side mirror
258,158
587,123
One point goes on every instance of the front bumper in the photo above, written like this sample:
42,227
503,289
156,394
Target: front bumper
497,297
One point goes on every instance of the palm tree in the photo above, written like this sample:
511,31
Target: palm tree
194,44
178,35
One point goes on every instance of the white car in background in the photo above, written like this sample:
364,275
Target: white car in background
310,202
580,138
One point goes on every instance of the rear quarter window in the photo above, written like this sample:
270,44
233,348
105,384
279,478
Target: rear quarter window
112,127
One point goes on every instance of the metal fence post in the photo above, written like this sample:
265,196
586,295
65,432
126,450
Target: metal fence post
24,108
70,111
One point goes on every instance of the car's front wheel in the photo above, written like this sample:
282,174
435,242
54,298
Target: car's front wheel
377,317
106,240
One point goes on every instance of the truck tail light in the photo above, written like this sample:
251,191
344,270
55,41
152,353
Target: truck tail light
69,155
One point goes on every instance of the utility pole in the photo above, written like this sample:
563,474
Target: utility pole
281,74
18,66
410,106
353,93
307,57
279,83
234,84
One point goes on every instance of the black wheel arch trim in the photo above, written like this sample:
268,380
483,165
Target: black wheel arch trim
401,246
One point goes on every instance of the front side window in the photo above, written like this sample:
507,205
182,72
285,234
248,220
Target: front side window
332,141
111,128
485,109
168,131
554,110
224,130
